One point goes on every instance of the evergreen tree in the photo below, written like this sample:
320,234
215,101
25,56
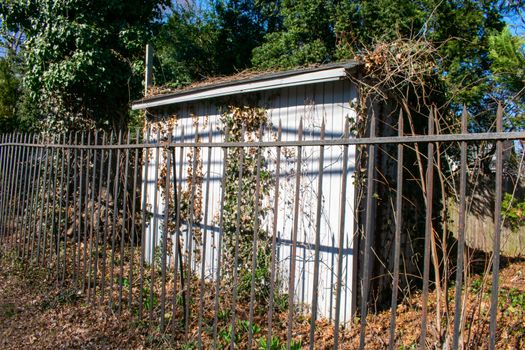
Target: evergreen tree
507,53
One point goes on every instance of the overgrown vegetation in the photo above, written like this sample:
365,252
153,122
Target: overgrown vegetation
76,65
32,300
78,61
244,207
513,211
81,62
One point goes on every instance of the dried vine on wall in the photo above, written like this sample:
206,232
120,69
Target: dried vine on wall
240,229
402,75
190,197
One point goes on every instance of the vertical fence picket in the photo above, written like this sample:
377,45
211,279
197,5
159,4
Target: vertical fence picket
24,210
133,219
8,192
153,238
77,185
78,226
85,220
60,207
124,224
315,287
91,220
397,234
293,257
114,232
189,233
48,197
461,235
237,237
220,243
33,227
178,268
428,231
98,216
3,176
274,236
53,235
31,195
3,162
342,222
16,196
144,208
255,237
497,231
106,220
14,189
67,208
7,187
5,184
165,233
27,193
371,157
19,193
204,242
22,206
10,186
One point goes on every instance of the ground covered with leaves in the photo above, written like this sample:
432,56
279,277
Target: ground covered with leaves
35,314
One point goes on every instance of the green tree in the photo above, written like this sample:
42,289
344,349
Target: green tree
326,30
306,36
184,47
217,39
9,92
507,53
242,25
83,59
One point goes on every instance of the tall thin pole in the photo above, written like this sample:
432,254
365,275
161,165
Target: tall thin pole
148,75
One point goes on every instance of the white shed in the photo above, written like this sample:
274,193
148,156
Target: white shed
311,95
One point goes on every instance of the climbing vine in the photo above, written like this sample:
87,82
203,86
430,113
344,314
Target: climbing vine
240,229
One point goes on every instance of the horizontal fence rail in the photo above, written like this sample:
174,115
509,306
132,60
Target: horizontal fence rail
245,240
488,136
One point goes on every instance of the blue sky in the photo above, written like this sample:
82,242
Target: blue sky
516,25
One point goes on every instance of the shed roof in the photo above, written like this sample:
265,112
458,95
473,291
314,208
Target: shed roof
241,84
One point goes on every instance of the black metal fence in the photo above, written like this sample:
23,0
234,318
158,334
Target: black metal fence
123,218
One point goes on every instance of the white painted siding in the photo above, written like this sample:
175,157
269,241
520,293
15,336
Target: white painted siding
312,103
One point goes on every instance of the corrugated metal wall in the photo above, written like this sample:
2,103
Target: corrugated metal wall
312,103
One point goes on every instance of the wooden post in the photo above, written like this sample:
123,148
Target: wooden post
149,69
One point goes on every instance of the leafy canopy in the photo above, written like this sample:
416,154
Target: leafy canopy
9,91
230,35
83,59
217,39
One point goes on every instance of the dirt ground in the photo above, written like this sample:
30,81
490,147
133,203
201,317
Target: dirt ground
34,314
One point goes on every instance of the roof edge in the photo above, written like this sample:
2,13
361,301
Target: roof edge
320,74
